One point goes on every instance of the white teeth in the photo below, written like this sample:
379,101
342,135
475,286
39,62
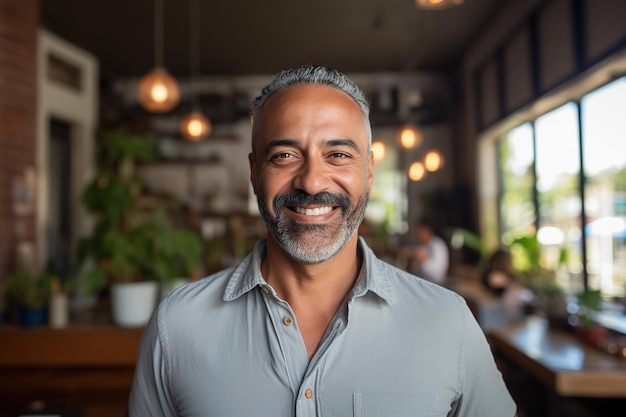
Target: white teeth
314,211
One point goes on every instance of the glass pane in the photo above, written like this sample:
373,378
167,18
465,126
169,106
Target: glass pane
604,153
517,210
558,168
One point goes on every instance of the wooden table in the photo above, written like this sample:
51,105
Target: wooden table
572,372
87,369
562,362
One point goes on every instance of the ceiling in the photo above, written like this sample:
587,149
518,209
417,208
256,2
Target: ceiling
242,37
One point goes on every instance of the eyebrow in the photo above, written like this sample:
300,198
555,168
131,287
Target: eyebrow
278,142
294,143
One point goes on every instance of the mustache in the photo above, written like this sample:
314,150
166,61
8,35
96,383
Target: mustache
300,198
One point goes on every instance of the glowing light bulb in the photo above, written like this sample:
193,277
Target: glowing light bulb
416,171
379,150
433,161
158,93
410,137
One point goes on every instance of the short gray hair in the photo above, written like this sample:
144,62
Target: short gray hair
309,74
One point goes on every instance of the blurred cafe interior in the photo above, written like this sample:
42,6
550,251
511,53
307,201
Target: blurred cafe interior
124,135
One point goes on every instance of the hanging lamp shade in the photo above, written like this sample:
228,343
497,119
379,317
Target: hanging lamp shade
158,91
195,126
438,4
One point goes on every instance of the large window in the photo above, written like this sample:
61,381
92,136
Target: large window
517,210
540,177
604,150
557,163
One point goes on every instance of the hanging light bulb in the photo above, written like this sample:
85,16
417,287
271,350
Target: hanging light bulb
410,137
379,149
433,161
417,171
158,91
438,4
195,125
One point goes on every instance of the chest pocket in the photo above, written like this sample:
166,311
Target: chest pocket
379,405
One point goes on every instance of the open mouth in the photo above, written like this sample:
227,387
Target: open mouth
315,211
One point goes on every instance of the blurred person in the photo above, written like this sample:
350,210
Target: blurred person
430,257
312,323
500,279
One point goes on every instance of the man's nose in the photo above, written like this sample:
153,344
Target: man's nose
312,177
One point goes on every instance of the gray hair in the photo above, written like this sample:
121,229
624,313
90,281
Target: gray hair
309,74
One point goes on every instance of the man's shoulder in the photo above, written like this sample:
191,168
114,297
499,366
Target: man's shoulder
202,290
408,285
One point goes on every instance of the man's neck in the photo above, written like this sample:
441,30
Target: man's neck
295,280
314,291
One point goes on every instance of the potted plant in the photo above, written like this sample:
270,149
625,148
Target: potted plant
550,299
587,328
30,294
131,249
175,252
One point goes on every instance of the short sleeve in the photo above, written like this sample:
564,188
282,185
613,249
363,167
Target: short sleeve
150,395
483,391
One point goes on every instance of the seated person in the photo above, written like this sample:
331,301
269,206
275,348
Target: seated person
500,278
428,259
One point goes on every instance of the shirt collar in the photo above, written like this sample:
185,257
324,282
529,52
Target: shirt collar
374,275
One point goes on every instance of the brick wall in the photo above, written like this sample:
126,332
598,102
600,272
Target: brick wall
19,21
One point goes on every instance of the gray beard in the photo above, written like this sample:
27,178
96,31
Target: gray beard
313,243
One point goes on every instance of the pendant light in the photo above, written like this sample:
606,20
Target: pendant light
417,171
433,161
438,4
409,137
195,126
158,90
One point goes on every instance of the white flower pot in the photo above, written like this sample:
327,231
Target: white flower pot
132,303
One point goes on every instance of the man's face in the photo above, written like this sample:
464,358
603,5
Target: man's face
311,170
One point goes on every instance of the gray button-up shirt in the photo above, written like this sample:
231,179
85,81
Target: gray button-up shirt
227,345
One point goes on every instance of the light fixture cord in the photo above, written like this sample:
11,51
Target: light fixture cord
195,35
194,46
158,33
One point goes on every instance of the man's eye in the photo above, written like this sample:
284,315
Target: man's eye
339,155
283,155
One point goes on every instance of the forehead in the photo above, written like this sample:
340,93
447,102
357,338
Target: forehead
313,97
313,106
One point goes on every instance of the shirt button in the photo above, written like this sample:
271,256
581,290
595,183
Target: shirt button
287,321
308,393
265,290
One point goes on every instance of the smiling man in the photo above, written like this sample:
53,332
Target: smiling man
311,323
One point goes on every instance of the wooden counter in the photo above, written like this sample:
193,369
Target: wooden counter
560,360
81,370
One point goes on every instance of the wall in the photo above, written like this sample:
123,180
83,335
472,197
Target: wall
18,124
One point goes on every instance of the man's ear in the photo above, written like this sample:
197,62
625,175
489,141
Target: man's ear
252,161
370,171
